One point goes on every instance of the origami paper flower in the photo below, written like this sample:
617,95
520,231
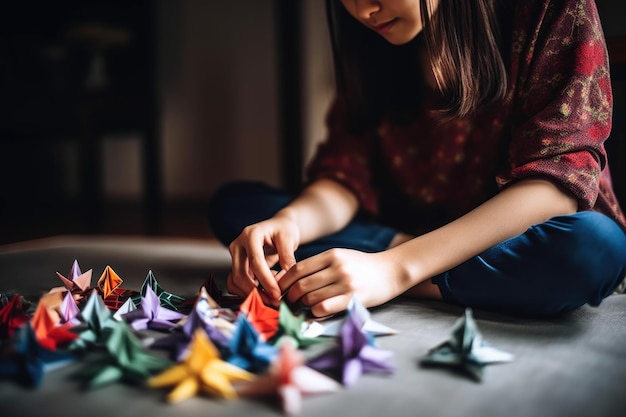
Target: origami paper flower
69,310
465,350
27,361
362,314
222,318
354,354
109,281
247,350
262,317
289,380
201,371
201,317
167,299
126,360
99,323
225,300
12,316
151,315
291,327
75,272
113,295
48,334
126,308
76,282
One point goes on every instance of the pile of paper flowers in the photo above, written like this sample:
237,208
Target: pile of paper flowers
210,343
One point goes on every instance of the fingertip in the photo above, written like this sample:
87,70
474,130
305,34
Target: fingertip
269,300
270,293
330,307
276,297
279,275
286,257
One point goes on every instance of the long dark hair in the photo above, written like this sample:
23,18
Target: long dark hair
378,79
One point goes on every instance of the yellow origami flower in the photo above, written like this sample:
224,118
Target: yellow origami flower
202,371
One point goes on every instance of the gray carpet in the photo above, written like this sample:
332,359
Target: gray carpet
573,365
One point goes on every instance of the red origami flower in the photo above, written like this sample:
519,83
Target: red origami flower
12,316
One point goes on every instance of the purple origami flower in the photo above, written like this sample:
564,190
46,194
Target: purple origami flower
180,339
151,315
69,310
354,355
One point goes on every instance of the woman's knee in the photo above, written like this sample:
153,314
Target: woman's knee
232,194
554,266
238,204
590,251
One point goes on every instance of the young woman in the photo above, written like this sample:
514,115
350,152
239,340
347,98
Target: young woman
464,161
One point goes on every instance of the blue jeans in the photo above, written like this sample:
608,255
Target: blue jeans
555,266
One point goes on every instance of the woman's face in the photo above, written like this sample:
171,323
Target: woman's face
398,21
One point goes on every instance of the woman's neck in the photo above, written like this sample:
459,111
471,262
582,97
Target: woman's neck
427,70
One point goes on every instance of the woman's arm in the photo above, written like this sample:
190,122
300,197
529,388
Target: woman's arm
507,214
326,282
322,208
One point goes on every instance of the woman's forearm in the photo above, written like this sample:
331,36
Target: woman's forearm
322,208
507,214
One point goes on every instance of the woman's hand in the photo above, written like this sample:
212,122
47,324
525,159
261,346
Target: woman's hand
259,247
327,282
322,208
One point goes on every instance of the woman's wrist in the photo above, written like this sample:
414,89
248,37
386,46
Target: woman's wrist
287,213
405,272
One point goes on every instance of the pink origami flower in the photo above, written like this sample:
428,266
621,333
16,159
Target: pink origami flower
289,380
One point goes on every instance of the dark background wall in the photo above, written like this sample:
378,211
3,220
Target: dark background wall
612,14
84,84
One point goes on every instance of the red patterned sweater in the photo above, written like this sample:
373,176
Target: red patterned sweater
553,124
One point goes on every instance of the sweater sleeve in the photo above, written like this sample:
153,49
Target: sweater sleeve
346,158
563,100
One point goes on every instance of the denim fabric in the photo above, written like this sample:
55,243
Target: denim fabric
239,204
554,266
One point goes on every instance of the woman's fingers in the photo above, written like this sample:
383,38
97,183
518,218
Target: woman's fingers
265,277
306,286
327,282
254,242
285,247
241,280
233,287
318,285
271,260
326,300
257,249
297,272
331,306
280,248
